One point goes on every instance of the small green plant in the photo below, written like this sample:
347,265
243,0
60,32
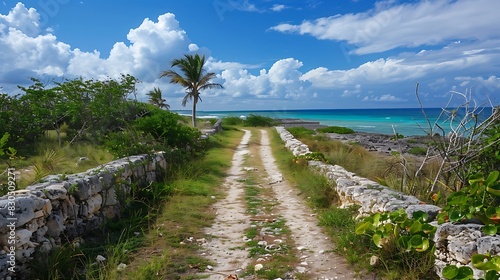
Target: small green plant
479,200
410,234
73,189
487,263
418,151
300,131
336,129
397,136
402,243
312,156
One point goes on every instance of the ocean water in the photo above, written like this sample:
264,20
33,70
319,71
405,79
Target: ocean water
405,121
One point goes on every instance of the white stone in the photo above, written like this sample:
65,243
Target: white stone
121,267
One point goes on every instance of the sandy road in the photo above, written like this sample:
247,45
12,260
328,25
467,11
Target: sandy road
226,247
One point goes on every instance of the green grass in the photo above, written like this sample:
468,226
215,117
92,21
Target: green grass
150,237
340,223
48,158
418,151
336,129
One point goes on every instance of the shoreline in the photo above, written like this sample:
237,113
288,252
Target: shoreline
373,142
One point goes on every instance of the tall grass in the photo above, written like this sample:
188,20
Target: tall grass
394,171
149,239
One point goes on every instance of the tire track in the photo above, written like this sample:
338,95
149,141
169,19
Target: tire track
226,246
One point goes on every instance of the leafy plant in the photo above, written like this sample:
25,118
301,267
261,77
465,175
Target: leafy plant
400,241
410,234
479,200
490,264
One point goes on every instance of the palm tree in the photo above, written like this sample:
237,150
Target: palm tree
194,80
156,99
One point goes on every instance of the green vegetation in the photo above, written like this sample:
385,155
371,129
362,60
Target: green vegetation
156,235
402,244
250,121
418,151
335,129
156,99
193,78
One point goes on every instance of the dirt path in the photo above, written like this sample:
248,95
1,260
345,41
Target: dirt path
226,248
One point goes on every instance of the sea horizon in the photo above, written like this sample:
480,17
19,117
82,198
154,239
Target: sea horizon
404,121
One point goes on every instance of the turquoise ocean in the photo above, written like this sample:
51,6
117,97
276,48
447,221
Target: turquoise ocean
405,121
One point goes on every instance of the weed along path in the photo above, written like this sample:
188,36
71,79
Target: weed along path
263,229
227,246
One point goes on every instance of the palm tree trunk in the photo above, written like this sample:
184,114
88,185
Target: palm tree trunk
195,100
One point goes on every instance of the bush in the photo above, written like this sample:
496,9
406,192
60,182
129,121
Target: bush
130,142
232,121
165,128
256,120
336,129
418,151
159,130
300,131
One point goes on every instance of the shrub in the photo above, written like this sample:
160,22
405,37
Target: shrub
300,131
336,129
232,121
256,120
418,151
130,142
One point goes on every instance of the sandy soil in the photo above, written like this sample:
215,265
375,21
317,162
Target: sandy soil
226,248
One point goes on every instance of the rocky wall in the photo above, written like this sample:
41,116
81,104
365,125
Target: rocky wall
455,244
64,207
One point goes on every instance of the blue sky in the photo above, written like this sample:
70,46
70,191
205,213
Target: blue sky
269,55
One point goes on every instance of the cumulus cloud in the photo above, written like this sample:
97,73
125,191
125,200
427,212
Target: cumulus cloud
25,20
282,80
450,59
150,48
389,26
30,51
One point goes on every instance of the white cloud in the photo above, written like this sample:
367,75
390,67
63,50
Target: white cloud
383,98
25,20
352,91
278,7
390,26
282,80
152,45
412,67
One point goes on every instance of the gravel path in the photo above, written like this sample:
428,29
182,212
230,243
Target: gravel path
226,248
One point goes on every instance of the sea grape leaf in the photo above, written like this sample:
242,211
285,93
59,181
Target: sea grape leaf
464,273
415,227
491,275
363,227
490,229
482,262
492,178
377,239
424,246
450,271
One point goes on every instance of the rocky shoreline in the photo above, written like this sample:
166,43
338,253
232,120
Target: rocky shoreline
375,142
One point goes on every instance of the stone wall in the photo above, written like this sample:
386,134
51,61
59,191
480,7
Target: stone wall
63,207
455,244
